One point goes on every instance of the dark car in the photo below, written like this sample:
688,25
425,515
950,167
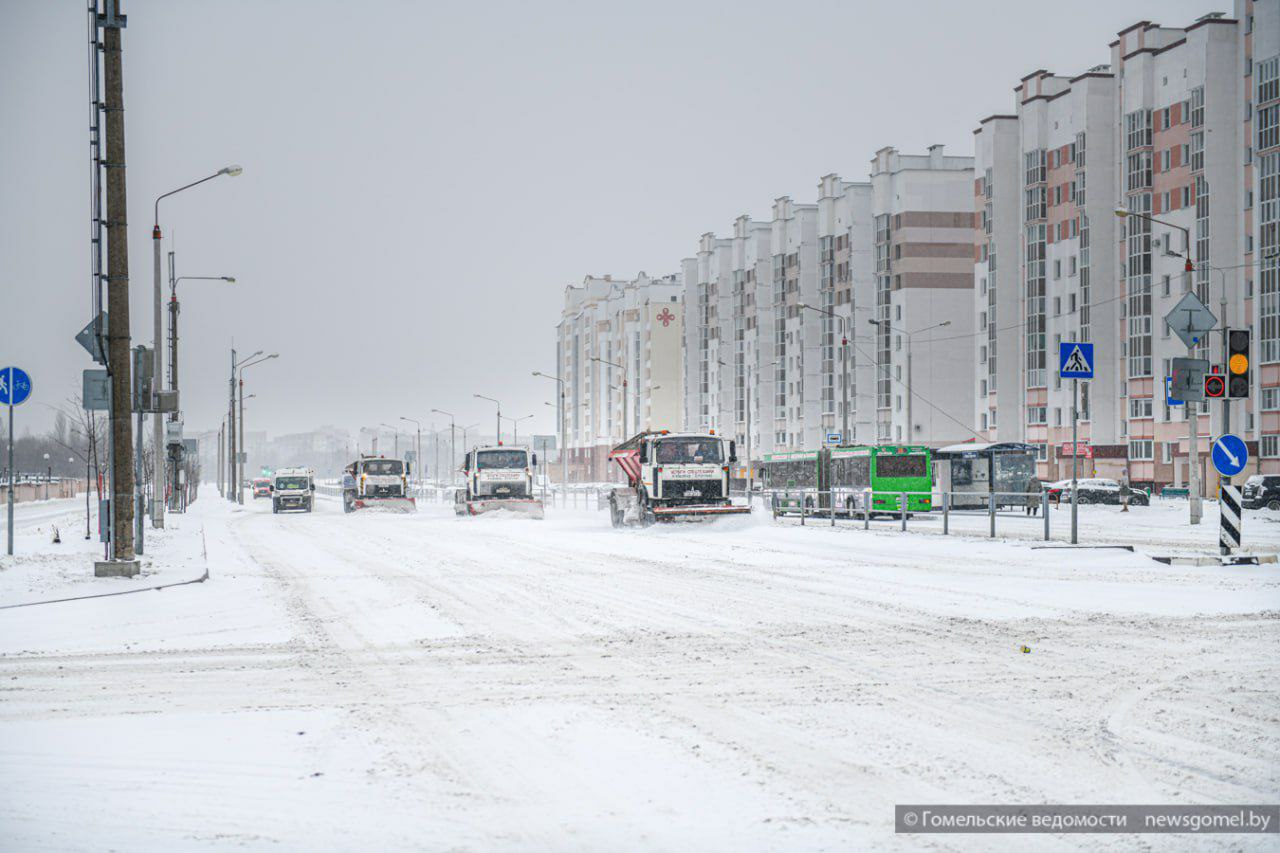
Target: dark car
1261,491
1096,490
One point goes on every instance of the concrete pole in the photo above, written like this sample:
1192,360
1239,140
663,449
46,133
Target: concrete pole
1075,455
118,351
239,491
1193,458
910,426
844,369
233,484
158,478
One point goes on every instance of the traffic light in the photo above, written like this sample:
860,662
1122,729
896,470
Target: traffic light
1215,386
1237,363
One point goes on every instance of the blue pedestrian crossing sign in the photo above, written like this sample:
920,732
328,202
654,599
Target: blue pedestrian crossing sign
1230,455
1075,360
15,386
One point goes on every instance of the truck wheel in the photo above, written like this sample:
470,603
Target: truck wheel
1273,504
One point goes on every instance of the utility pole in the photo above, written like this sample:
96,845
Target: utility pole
118,353
232,482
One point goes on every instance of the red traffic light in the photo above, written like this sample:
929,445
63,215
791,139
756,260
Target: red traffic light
1215,386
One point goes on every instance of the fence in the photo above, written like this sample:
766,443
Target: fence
815,506
41,491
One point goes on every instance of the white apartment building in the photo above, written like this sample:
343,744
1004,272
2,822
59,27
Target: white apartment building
923,254
1259,31
1180,160
618,354
1044,207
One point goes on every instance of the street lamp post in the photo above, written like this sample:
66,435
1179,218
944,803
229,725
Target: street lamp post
515,426
176,502
562,416
243,367
453,455
844,368
157,434
625,422
233,450
1194,501
499,405
417,447
910,346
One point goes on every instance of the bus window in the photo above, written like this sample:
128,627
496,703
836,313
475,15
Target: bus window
908,465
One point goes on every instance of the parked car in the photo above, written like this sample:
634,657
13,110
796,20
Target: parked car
1096,490
1261,491
262,487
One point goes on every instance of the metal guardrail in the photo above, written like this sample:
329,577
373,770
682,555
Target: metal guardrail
784,502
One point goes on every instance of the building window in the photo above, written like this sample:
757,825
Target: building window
1036,415
1269,446
1270,399
1141,449
1139,407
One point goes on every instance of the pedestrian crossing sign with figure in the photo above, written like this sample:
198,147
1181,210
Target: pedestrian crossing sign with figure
1075,360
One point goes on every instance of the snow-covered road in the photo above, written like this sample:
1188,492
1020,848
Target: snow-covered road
388,681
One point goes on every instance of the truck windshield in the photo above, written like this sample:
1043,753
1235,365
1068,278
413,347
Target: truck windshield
688,451
501,459
291,483
393,467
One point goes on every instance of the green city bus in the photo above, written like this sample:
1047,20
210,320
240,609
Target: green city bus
843,474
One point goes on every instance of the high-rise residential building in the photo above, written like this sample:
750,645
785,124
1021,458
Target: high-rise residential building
750,264
618,354
1259,93
1044,270
997,248
795,360
1179,160
923,321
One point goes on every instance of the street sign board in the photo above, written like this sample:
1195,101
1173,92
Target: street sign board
1191,320
190,446
143,369
1187,381
1169,399
92,337
172,432
15,386
1081,448
96,394
1075,360
1230,455
833,438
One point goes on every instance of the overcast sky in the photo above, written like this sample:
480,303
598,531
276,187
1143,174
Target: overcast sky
421,181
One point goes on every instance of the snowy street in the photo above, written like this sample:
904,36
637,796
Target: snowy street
378,681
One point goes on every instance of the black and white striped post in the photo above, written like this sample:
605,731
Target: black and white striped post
1230,527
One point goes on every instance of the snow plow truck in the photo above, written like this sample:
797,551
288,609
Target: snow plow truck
498,477
375,481
673,477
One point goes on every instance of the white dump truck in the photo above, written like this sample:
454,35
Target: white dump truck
673,477
293,489
498,477
376,481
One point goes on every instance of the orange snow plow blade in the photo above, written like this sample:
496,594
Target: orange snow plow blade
388,504
695,513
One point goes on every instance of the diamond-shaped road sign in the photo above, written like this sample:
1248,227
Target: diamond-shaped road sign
92,336
1191,320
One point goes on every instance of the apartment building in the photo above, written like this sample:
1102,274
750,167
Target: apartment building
922,208
1259,32
619,346
1043,204
1180,161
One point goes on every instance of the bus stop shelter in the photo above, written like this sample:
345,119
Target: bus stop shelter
972,472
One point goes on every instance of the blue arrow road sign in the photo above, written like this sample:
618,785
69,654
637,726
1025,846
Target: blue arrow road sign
15,386
1168,392
1230,455
1075,360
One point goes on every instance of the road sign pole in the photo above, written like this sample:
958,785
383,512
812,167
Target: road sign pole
1075,455
10,465
1193,458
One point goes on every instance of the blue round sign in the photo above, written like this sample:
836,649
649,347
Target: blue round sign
1230,455
15,386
